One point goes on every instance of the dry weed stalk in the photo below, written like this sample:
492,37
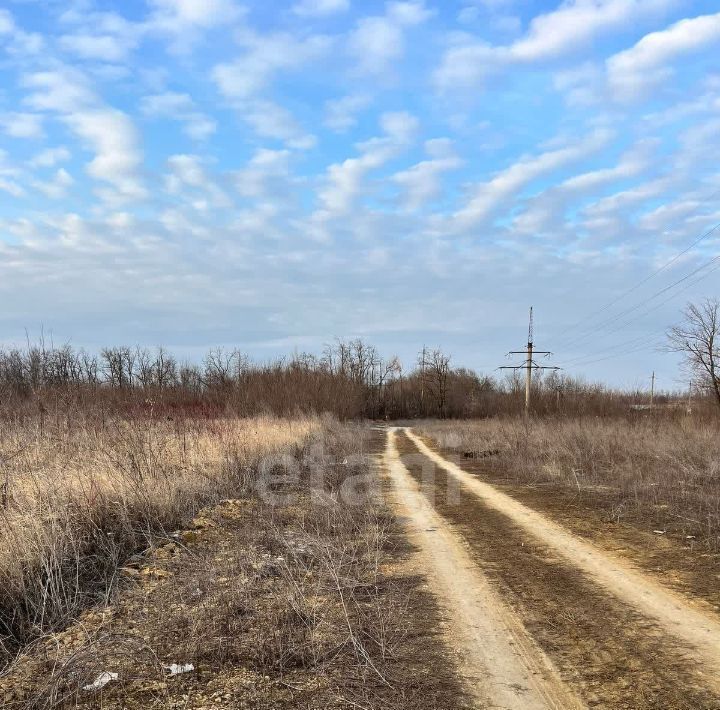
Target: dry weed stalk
82,495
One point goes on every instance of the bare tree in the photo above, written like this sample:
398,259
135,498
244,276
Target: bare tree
90,369
165,369
698,338
143,367
220,368
437,371
118,365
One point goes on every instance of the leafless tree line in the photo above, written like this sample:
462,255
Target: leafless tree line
350,379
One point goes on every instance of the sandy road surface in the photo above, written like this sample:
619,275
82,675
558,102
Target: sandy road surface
697,628
500,663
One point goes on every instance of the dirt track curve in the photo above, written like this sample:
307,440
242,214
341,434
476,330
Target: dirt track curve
507,576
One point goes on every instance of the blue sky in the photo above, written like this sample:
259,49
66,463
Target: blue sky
196,173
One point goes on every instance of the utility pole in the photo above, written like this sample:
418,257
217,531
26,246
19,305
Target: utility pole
422,376
652,389
529,365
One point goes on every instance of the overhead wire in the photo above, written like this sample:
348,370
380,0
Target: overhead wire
645,280
642,348
621,346
618,316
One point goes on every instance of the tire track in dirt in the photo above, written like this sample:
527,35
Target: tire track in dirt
603,648
696,629
501,665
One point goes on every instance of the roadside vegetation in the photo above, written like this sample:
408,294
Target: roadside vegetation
660,467
80,494
255,550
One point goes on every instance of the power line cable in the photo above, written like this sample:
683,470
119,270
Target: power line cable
609,321
634,341
641,283
627,352
647,312
671,297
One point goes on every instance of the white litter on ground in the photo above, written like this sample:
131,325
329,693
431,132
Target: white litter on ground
101,681
177,668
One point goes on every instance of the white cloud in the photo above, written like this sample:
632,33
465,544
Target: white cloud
199,126
320,8
266,175
103,47
264,57
421,182
166,104
341,114
16,42
8,175
182,108
101,36
409,13
108,132
344,180
61,90
684,170
7,24
632,163
378,203
619,201
493,13
571,27
270,120
184,22
50,157
546,212
581,85
57,187
379,40
644,64
659,219
22,125
11,187
175,14
187,171
490,196
574,23
112,136
244,80
465,65
399,126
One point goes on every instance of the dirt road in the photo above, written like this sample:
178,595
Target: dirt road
618,638
500,663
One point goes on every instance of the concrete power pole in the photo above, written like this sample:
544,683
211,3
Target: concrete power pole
529,365
652,390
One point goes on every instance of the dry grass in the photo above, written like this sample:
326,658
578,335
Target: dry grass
78,496
277,603
665,469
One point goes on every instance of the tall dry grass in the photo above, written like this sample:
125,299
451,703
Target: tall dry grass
80,494
667,466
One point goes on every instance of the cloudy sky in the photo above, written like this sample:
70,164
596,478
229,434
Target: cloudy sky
272,175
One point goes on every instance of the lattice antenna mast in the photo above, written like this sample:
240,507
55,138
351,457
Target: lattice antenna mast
529,365
530,329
